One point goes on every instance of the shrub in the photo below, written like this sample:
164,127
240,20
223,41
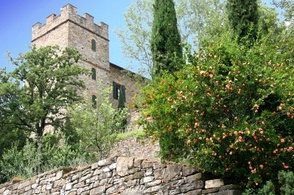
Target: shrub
96,127
24,163
230,110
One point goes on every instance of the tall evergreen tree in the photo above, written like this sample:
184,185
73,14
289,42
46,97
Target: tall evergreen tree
165,37
243,18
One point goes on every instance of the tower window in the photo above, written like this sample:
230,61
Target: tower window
93,44
94,103
93,73
119,90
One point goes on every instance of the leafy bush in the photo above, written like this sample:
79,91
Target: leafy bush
25,163
230,110
286,180
97,126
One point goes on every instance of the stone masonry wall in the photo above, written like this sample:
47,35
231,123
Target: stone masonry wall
121,175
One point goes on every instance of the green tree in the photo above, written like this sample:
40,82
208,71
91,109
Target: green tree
9,135
243,18
44,81
197,20
229,111
96,127
165,37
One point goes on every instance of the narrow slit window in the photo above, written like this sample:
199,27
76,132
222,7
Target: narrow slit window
93,43
93,73
94,102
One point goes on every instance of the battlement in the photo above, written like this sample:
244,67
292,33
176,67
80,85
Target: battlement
69,13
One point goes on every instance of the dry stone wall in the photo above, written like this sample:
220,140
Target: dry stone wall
121,175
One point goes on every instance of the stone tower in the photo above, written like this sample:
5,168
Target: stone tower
72,30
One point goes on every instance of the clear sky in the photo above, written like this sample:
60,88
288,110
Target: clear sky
18,16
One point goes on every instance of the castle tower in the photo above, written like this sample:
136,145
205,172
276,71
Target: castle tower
80,32
72,30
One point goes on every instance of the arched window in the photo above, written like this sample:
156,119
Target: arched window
93,44
93,73
94,103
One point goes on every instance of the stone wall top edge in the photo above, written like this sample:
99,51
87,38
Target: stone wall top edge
71,170
70,12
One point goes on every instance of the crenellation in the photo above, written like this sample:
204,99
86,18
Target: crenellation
50,19
69,13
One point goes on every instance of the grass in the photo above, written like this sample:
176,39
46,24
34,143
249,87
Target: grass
139,133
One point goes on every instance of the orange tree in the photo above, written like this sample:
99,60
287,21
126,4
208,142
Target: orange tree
229,111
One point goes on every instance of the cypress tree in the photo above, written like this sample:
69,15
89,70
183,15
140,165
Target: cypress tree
165,38
243,18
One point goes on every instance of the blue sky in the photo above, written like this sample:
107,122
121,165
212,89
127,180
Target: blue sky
18,16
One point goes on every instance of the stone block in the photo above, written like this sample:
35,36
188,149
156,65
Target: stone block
146,164
24,184
148,172
147,179
106,169
137,163
105,175
72,192
158,174
194,192
112,166
210,190
138,175
230,187
191,186
35,185
151,189
6,192
170,172
158,165
153,183
59,175
98,172
68,186
123,165
214,183
97,190
189,171
134,170
174,192
228,192
192,178
104,162
94,166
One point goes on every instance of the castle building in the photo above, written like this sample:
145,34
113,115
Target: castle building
72,30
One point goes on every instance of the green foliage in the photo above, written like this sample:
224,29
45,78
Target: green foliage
286,180
32,97
9,135
230,110
25,163
140,134
165,37
95,127
243,18
49,79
